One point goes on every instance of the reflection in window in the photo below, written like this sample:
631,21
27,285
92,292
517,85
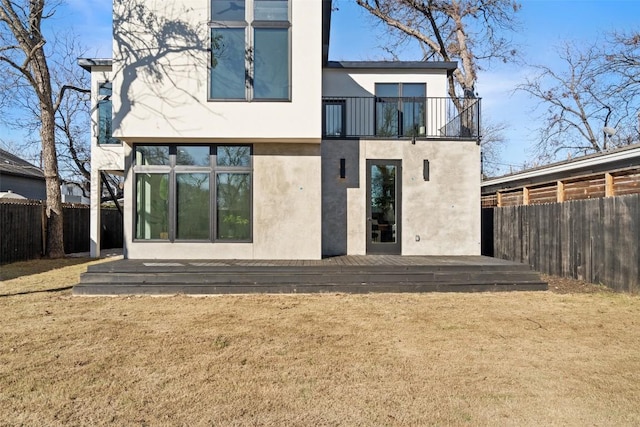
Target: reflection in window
105,114
233,207
413,109
192,156
383,202
192,220
271,74
233,155
271,10
152,206
227,10
152,155
182,195
400,109
228,63
250,52
334,112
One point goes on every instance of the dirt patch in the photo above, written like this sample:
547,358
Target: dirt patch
564,285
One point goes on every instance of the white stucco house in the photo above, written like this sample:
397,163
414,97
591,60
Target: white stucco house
238,139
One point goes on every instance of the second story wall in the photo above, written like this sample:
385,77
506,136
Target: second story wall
388,99
361,80
197,69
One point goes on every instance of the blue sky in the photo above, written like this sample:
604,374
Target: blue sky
543,25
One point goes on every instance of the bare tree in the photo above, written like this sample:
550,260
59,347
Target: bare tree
469,31
73,116
492,141
589,104
25,62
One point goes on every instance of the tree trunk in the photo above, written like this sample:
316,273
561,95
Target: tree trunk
55,231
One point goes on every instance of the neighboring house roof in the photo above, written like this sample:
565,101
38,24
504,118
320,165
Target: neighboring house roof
610,161
11,195
14,165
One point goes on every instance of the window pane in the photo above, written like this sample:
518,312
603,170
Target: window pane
417,90
387,89
227,63
383,203
227,10
230,155
387,117
271,10
193,206
152,206
152,155
193,156
105,115
233,206
271,68
333,113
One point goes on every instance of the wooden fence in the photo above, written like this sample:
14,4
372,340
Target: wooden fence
22,228
596,240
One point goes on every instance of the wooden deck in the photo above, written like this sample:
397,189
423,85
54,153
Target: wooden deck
350,274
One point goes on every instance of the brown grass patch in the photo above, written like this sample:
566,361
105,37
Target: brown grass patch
522,358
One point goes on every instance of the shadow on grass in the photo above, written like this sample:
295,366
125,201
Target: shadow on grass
65,288
37,266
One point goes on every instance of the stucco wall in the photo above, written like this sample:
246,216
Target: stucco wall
286,211
342,82
163,94
443,211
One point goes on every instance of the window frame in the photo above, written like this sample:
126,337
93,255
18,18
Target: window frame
249,24
399,99
173,170
342,103
110,139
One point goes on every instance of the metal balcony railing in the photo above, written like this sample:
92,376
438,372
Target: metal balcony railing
386,117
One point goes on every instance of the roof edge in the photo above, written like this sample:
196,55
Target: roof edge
591,160
88,63
426,65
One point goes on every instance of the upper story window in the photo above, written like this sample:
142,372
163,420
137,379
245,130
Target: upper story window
250,50
105,114
401,109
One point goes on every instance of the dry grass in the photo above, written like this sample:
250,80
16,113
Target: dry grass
386,359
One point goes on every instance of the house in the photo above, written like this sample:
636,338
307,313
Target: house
239,139
21,177
611,173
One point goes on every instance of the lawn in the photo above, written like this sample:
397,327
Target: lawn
522,358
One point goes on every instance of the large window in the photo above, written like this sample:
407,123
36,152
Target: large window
400,109
105,113
250,50
186,193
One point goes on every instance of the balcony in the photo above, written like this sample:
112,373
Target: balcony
400,118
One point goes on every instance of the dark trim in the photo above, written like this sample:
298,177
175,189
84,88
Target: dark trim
384,248
397,65
88,63
326,30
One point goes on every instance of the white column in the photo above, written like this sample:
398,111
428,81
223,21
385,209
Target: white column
95,226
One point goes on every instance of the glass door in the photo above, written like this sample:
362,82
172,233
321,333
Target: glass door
383,206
